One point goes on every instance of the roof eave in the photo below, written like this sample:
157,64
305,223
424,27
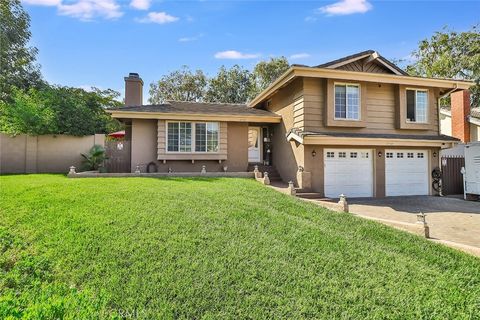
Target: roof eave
194,116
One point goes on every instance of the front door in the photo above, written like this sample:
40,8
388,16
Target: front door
254,152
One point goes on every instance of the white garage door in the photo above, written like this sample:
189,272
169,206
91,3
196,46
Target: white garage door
348,171
406,172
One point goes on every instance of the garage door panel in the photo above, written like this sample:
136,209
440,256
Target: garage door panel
348,171
406,172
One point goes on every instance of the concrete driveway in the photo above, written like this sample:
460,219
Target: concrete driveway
450,218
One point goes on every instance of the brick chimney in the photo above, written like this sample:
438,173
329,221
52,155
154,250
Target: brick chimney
133,90
460,109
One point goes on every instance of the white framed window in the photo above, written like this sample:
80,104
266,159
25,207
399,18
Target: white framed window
347,101
389,154
353,154
206,136
365,155
417,105
409,154
192,136
420,155
399,154
330,154
342,154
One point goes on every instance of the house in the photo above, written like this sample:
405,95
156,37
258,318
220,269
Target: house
358,125
461,121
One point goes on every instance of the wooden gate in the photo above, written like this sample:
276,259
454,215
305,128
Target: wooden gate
452,178
118,153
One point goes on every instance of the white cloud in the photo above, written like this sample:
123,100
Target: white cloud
232,54
89,9
43,2
158,17
345,7
190,39
299,56
140,4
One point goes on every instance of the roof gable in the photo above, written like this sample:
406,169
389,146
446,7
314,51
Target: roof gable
365,61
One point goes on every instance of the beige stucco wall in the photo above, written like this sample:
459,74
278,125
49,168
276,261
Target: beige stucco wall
237,148
445,124
44,154
146,143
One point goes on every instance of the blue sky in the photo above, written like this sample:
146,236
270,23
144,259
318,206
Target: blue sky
98,42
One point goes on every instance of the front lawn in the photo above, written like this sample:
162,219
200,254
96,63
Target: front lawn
212,248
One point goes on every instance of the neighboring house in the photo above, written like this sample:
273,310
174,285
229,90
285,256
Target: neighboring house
461,121
358,125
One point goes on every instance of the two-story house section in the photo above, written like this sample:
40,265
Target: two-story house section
358,126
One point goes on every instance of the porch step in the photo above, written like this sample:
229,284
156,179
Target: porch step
272,172
309,195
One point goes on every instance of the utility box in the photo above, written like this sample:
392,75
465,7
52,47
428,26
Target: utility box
472,168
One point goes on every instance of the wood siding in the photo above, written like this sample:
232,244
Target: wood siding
380,112
361,66
162,154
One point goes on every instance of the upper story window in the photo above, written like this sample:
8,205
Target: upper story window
347,101
192,136
417,105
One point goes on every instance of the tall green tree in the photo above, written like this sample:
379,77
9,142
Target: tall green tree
59,110
18,67
234,85
266,72
180,85
450,54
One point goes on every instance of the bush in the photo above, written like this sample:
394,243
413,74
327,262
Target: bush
94,159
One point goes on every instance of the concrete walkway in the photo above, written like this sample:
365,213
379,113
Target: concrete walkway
452,221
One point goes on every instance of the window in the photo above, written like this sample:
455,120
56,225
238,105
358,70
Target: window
192,137
400,155
353,154
342,154
365,155
410,155
389,154
417,105
206,137
330,154
347,101
420,155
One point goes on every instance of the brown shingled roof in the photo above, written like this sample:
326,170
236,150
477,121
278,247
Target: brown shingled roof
360,54
197,108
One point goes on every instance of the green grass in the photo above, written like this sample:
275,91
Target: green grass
212,248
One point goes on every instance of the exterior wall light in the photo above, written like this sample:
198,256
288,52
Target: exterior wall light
434,154
379,154
314,153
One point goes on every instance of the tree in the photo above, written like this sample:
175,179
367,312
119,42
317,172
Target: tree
59,110
266,72
27,113
450,54
17,59
180,85
234,85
